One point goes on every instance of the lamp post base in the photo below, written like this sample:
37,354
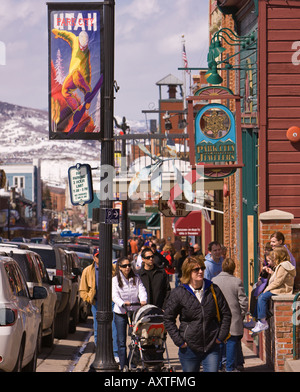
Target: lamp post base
104,360
101,366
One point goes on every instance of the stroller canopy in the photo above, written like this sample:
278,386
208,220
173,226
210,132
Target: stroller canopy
148,314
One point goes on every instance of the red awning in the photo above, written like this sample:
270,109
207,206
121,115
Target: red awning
189,225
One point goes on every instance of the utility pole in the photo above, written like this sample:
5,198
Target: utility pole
104,359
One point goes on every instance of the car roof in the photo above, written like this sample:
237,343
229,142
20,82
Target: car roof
14,250
39,246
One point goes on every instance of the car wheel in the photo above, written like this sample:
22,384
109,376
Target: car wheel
62,323
49,339
39,339
18,366
31,367
74,318
84,311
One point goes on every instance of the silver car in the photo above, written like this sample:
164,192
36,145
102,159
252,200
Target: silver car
20,319
36,275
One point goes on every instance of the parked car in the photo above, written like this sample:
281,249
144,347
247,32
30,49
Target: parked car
36,275
37,240
20,319
93,243
70,246
76,272
59,265
84,260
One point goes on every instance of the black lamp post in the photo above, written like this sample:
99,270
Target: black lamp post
104,359
124,127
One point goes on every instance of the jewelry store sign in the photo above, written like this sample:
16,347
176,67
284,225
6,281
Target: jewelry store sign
215,135
80,183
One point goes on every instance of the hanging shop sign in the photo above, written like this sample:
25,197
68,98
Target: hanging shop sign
215,139
180,205
80,184
75,34
215,132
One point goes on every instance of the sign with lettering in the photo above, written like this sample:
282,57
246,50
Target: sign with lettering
76,72
166,210
215,135
80,184
112,216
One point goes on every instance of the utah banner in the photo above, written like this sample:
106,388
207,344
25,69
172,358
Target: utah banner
75,34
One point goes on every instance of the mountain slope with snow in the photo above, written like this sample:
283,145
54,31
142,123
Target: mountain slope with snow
24,136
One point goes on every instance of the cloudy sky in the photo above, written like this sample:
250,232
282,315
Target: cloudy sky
148,48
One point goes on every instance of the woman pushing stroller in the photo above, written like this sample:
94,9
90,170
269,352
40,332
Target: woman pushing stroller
127,288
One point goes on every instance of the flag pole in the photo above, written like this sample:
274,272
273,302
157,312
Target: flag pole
184,64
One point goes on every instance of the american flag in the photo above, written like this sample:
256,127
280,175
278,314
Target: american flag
186,65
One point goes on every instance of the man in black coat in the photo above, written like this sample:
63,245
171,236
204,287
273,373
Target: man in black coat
159,259
154,279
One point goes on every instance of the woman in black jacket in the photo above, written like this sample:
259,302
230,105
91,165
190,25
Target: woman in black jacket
204,318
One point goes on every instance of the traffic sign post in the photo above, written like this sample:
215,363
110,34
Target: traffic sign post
80,183
112,216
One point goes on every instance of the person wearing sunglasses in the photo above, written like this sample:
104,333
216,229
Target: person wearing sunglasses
127,288
155,279
204,318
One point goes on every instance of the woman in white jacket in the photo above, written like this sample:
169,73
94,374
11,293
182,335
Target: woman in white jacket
127,288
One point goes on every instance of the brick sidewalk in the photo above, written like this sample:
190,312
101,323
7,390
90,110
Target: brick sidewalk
252,362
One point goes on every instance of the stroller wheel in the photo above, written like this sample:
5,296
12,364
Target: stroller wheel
169,370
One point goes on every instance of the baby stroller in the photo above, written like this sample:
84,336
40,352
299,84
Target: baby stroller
148,341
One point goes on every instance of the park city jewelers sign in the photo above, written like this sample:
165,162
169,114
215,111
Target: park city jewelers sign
215,135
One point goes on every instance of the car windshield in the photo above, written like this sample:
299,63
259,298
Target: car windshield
47,256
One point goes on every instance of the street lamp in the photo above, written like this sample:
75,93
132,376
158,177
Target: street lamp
104,358
124,127
216,49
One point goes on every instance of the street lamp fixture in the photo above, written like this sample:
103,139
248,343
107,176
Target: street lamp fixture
182,123
216,49
168,124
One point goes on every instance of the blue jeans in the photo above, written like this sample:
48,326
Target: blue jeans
114,329
262,305
191,360
121,325
232,347
94,313
114,335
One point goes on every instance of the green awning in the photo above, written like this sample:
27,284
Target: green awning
153,222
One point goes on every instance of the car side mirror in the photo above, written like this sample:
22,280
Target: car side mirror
76,271
39,292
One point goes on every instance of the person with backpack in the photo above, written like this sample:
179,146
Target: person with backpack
204,316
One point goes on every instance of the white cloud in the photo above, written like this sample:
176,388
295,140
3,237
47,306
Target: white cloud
148,47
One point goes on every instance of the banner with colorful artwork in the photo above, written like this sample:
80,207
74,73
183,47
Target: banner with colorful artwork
75,70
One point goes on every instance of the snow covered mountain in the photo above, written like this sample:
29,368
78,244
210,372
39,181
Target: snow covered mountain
24,136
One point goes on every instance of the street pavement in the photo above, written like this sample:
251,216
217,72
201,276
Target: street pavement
252,362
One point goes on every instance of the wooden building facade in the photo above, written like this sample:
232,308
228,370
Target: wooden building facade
279,102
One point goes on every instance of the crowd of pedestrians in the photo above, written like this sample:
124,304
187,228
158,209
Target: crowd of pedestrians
208,298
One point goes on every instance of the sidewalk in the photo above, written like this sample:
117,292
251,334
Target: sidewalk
252,362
